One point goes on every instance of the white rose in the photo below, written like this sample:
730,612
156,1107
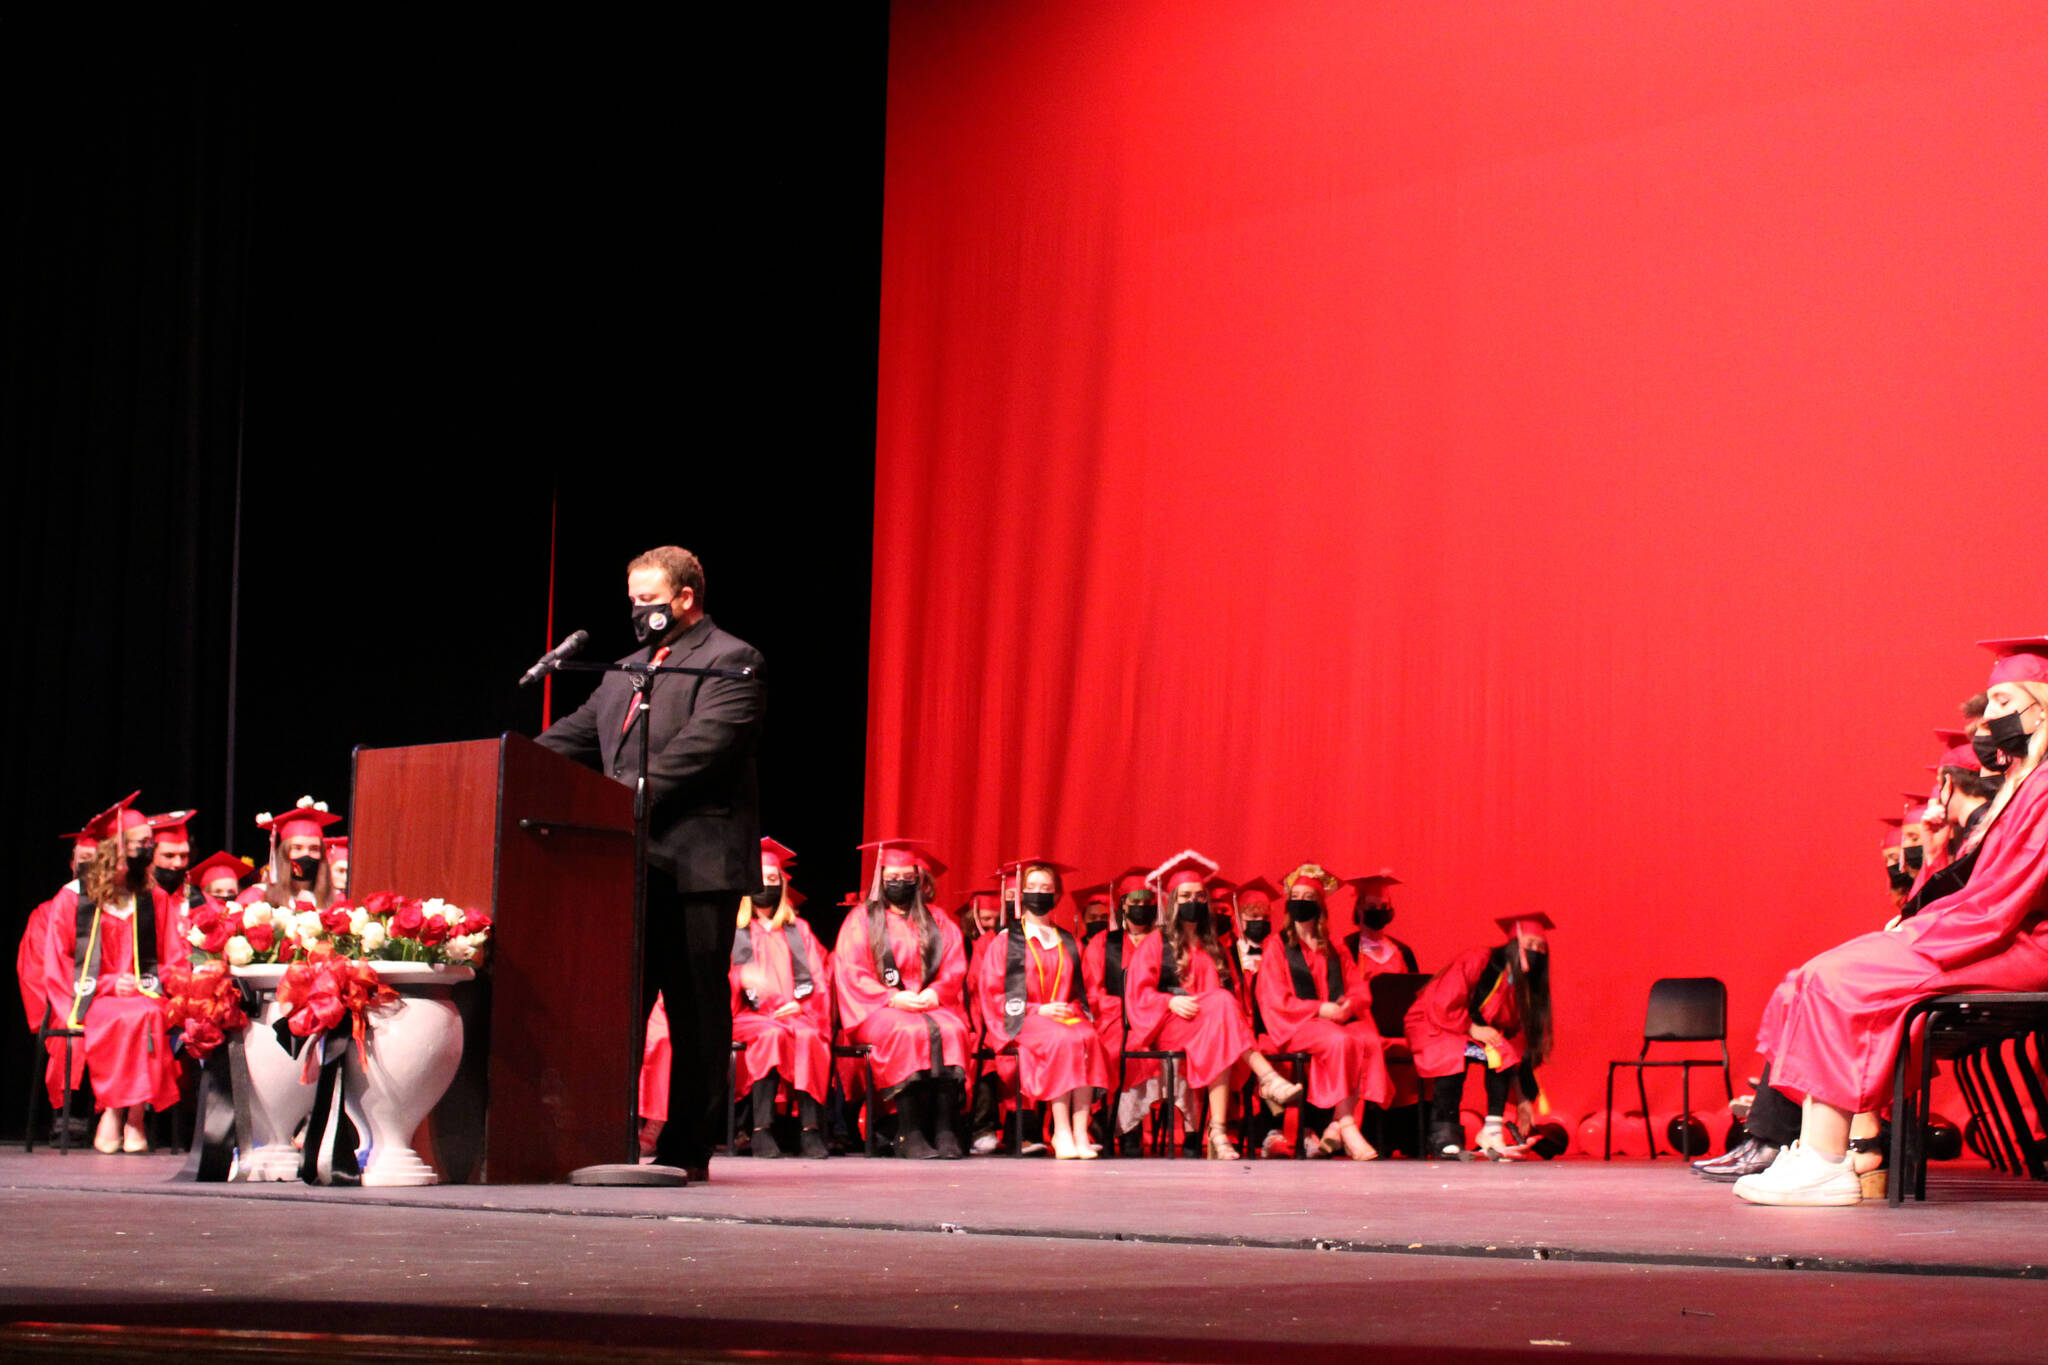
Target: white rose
374,936
308,926
194,937
452,914
358,919
258,913
460,951
239,952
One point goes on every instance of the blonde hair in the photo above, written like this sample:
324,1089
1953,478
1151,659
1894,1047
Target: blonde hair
784,911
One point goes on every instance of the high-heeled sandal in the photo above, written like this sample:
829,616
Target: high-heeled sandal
1874,1179
1216,1145
1278,1092
1347,1128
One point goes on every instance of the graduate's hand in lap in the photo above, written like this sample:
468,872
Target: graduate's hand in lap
928,998
1336,1011
784,1010
1185,1006
904,1000
1057,1009
1486,1037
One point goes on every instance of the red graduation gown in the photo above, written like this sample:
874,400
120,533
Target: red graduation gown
1108,1009
1343,1059
126,1048
797,1046
1832,1029
1215,1040
1439,1022
1003,1066
907,1043
31,966
1053,1057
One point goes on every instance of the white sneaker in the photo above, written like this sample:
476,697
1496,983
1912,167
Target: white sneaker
985,1144
1800,1178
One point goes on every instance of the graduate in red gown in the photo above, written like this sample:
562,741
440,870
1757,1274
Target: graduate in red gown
1094,908
1312,1000
1105,967
220,877
1491,1006
1179,1002
991,1082
1372,909
1033,1001
781,1008
1833,1043
899,972
28,955
297,875
103,944
336,850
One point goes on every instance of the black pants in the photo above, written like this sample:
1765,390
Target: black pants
1448,1091
689,952
1773,1120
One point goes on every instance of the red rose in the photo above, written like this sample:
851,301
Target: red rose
260,936
474,922
334,919
406,920
203,1036
435,930
321,1011
223,928
382,902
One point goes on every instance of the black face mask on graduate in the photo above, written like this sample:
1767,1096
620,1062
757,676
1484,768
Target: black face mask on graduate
770,897
140,859
1376,917
1192,912
1915,856
651,620
306,867
1094,927
1255,930
169,878
1142,913
1302,911
1041,902
2008,737
1900,879
899,891
1986,749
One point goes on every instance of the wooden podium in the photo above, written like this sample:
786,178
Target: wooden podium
550,1064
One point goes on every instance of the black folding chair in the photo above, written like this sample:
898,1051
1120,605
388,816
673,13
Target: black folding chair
847,1051
49,1029
988,1054
1170,1063
1974,1032
1682,1009
1393,995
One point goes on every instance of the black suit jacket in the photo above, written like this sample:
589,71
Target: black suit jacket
705,797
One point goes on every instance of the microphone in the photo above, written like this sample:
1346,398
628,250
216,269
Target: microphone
573,645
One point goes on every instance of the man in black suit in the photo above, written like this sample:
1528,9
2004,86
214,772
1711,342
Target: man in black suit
704,830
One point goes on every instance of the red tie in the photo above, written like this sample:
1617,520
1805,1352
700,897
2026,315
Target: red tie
634,709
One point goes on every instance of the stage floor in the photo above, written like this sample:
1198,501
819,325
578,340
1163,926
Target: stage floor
1155,1260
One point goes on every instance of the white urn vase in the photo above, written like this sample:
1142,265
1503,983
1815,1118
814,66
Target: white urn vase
414,1046
278,1101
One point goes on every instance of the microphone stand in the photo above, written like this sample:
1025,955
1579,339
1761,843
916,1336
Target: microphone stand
631,1171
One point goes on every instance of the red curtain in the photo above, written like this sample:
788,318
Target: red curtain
1561,452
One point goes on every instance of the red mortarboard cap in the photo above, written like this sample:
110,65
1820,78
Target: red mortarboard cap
308,817
1016,867
1515,924
1378,881
1183,867
1893,820
336,845
1258,889
170,828
115,819
1952,739
1962,756
918,851
1315,875
1893,837
772,852
219,863
1085,896
794,897
851,901
1220,891
80,839
1129,880
2020,660
986,896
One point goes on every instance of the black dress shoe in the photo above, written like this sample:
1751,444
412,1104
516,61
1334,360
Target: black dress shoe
1751,1158
1734,1156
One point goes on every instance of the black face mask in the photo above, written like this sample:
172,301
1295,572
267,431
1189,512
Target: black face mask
2008,735
770,897
899,891
169,878
1041,902
306,867
651,620
1538,968
1144,914
1900,879
1255,930
1301,912
1915,856
140,859
1376,917
1192,912
1986,749
1094,927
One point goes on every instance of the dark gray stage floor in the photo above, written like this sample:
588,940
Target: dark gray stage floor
1144,1260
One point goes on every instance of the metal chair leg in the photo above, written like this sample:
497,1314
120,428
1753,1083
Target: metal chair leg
1607,1129
1649,1129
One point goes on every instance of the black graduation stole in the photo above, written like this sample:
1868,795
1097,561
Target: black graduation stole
1304,984
799,959
1013,974
1946,882
1113,963
1489,977
885,956
85,931
1407,956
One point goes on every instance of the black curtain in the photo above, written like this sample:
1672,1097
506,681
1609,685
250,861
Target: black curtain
419,309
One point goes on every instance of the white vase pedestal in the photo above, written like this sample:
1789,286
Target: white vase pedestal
278,1101
415,1046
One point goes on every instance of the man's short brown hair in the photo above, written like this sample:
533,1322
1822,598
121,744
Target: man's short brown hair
679,565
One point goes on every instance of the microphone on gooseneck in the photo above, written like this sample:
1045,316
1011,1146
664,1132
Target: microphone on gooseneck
569,647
